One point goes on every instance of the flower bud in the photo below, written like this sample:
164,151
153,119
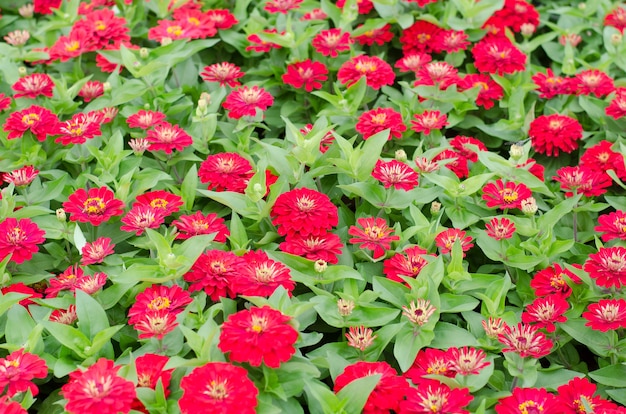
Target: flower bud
61,216
27,11
616,39
435,207
528,29
106,86
17,38
144,53
22,71
320,266
529,206
516,151
401,155
345,307
582,6
166,41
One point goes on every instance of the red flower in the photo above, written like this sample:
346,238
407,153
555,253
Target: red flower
10,407
149,371
167,137
498,55
499,229
386,395
164,201
145,119
617,107
451,41
215,272
104,28
613,225
528,400
197,223
18,369
608,266
324,246
413,62
202,26
245,101
375,235
158,297
458,163
96,251
525,340
65,316
576,397
305,212
22,288
505,195
580,179
408,263
551,134
226,171
222,18
420,37
5,102
466,360
32,86
258,335
607,314
395,174
218,387
172,29
379,36
46,6
21,177
593,82
601,158
489,90
80,128
326,141
281,6
67,280
156,324
434,397
91,90
332,41
95,207
364,6
225,73
40,121
551,280
616,19
98,390
546,311
307,74
315,14
460,144
445,240
534,168
549,85
514,14
428,121
377,72
91,284
377,120
258,45
430,361
440,74
260,275
19,238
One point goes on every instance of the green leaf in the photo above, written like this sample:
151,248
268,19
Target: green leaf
598,342
612,375
408,343
320,399
189,186
19,326
91,317
369,153
356,393
69,336
448,335
79,238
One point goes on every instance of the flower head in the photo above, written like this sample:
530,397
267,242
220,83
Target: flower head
245,101
525,340
505,195
377,72
377,120
494,327
215,272
145,119
306,74
582,180
446,239
612,225
149,372
428,121
32,86
17,371
549,85
607,314
608,266
409,264
80,128
158,297
551,134
617,107
419,311
593,82
528,400
198,223
499,229
577,396
226,171
21,177
260,276
395,174
360,337
155,324
467,360
40,121
19,238
167,137
434,397
546,311
324,246
489,90
419,38
497,54
225,73
94,206
304,211
374,234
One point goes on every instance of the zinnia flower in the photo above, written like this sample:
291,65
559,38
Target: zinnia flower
395,174
156,324
577,396
197,223
95,207
440,74
157,297
80,128
91,90
467,360
551,134
258,335
17,371
306,74
332,41
499,229
260,276
21,177
551,280
612,225
428,121
498,55
434,397
379,119
549,85
582,180
164,201
377,72
98,390
546,311
408,263
40,121
32,86
374,234
378,36
145,119
225,73
608,266
607,314
505,195
245,101
364,6
419,38
303,211
593,82
149,371
96,251
226,171
489,90
527,400
7,406
617,107
324,246
19,238
445,240
215,272
218,387
526,341
167,137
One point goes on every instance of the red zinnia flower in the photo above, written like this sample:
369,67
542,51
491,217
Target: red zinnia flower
80,128
505,195
149,371
528,400
5,102
171,29
413,62
458,164
379,119
104,28
386,395
440,74
601,158
551,280
40,121
549,85
546,311
226,171
419,312
428,121
408,263
324,246
19,238
577,397
451,41
430,361
514,14
332,41
222,18
10,407
616,19
305,212
282,6
98,390
260,275
489,90
46,6
156,324
95,207
197,223
460,144
420,37
326,141
258,335
607,314
434,397
307,74
608,266
617,107
498,55
96,251
593,82
215,272
374,235
91,284
145,119
445,240
245,101
18,369
580,179
225,73
499,229
551,134
525,340
141,217
158,297
21,177
32,86
379,36
395,174
65,316
613,225
201,25
22,288
67,280
218,387
364,6
467,360
91,90
164,201
315,14
377,72
167,137
259,45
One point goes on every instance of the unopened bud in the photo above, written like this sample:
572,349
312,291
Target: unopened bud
22,71
144,52
528,29
582,6
529,206
139,145
27,11
616,39
6,279
106,86
166,41
61,216
345,307
320,266
205,99
401,155
516,151
435,207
